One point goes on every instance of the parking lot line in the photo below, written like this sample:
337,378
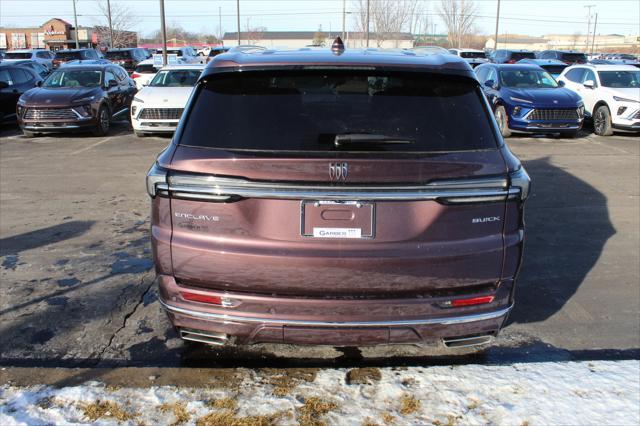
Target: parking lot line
100,142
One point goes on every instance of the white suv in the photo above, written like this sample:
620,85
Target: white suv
41,56
611,95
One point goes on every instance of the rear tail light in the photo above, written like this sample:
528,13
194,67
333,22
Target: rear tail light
156,176
521,180
472,301
135,75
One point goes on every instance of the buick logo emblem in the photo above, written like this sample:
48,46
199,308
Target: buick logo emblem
555,102
338,171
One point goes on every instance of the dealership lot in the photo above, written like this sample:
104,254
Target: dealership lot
76,274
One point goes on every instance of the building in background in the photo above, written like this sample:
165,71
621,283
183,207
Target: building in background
602,43
297,39
57,34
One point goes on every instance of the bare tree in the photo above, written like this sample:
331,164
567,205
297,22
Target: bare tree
253,34
122,22
387,18
459,17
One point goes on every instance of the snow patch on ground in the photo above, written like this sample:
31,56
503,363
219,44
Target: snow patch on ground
570,393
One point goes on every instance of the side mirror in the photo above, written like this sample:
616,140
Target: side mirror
3,84
561,83
589,84
490,83
112,83
39,83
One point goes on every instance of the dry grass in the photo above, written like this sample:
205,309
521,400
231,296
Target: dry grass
285,380
223,403
99,409
309,414
179,410
229,418
388,419
369,422
408,404
368,375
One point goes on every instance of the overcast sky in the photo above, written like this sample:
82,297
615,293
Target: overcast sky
533,17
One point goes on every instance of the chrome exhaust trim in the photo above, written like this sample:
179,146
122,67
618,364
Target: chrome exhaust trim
210,338
463,342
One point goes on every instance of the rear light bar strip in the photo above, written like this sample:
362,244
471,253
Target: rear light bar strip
204,187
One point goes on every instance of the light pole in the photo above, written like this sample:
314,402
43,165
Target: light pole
495,40
110,26
238,19
593,37
163,30
367,23
75,21
589,23
344,14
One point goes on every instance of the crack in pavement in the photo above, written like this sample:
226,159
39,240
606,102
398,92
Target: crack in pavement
126,316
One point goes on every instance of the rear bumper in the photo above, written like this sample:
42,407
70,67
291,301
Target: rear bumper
263,319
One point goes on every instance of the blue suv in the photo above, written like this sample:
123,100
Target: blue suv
525,98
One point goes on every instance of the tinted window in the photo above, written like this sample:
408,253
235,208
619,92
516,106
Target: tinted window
553,69
68,56
216,52
574,57
120,73
516,56
620,79
589,75
292,111
118,54
108,76
472,55
526,79
42,55
20,76
6,77
17,55
175,78
145,69
482,73
575,75
73,78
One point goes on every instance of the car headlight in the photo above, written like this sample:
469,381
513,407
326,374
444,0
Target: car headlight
619,99
520,100
580,111
84,110
87,99
133,110
135,99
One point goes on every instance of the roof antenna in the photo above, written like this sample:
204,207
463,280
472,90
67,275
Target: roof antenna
338,46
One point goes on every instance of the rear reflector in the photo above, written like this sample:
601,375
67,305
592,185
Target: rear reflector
202,298
481,300
135,75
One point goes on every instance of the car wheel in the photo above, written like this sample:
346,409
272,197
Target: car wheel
602,121
104,122
503,123
139,134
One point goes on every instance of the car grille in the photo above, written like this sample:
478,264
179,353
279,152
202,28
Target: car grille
553,114
50,114
161,113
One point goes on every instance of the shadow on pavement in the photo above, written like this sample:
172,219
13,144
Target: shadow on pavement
45,236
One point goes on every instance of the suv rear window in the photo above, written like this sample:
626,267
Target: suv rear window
68,56
17,55
305,111
472,55
574,57
522,55
122,54
146,69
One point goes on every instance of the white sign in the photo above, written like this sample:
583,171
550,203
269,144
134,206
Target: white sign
337,232
172,59
18,41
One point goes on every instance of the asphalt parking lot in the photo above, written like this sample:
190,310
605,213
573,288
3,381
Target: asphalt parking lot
76,271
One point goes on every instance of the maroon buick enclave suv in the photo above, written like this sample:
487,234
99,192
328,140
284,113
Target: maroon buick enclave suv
340,197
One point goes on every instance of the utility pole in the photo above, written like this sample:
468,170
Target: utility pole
495,40
589,6
367,23
220,23
344,14
163,30
593,38
110,26
75,22
238,17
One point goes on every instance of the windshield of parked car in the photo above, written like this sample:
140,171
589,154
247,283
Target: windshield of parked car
526,79
472,55
175,78
68,56
620,79
73,78
312,111
17,55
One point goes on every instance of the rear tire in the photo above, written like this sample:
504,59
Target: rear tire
503,122
104,122
602,121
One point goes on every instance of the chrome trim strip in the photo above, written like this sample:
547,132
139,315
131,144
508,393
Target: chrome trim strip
427,321
120,112
66,126
479,190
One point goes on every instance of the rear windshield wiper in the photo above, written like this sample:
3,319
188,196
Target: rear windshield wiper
364,138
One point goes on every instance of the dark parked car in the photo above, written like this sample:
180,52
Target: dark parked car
569,57
63,56
14,81
502,56
525,98
78,97
128,58
349,197
552,66
215,51
39,69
